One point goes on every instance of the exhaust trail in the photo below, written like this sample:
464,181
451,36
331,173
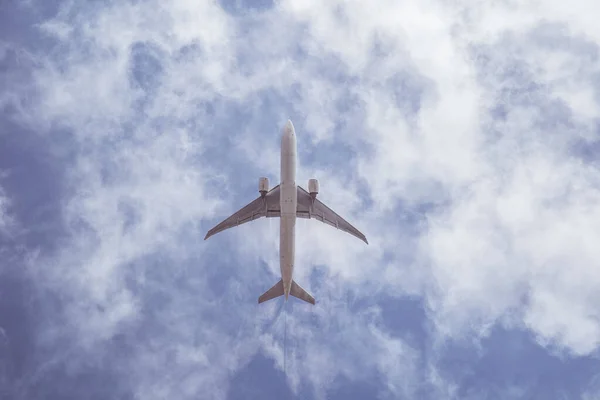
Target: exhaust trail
285,340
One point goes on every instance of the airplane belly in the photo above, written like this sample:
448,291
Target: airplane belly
288,167
287,248
288,156
288,198
287,229
288,193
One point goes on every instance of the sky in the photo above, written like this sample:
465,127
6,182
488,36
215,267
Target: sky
461,137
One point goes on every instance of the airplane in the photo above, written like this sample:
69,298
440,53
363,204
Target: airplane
288,202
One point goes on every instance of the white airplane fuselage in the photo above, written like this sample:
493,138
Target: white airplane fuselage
288,202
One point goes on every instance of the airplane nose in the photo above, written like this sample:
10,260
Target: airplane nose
288,138
289,127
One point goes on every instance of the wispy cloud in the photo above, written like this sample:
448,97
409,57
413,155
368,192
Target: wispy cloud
465,131
6,220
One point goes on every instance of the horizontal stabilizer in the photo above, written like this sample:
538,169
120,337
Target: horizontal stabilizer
275,291
297,291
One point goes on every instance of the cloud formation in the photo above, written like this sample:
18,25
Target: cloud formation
459,138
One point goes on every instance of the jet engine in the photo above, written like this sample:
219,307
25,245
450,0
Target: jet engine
263,186
313,188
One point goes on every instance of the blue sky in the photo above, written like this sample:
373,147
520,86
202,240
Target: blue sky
461,139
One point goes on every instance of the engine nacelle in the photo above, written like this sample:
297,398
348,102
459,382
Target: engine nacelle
313,188
263,186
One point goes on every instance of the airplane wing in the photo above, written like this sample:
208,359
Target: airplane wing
313,208
267,206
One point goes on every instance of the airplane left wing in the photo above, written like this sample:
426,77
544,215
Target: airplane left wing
267,206
313,208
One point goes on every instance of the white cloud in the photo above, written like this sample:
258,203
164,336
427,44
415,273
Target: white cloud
511,236
7,221
489,253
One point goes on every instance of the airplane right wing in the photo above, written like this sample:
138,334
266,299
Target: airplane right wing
267,206
313,208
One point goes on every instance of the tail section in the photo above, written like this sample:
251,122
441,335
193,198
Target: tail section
278,290
275,291
301,294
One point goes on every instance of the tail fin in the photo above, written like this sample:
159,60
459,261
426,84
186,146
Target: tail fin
275,291
297,291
